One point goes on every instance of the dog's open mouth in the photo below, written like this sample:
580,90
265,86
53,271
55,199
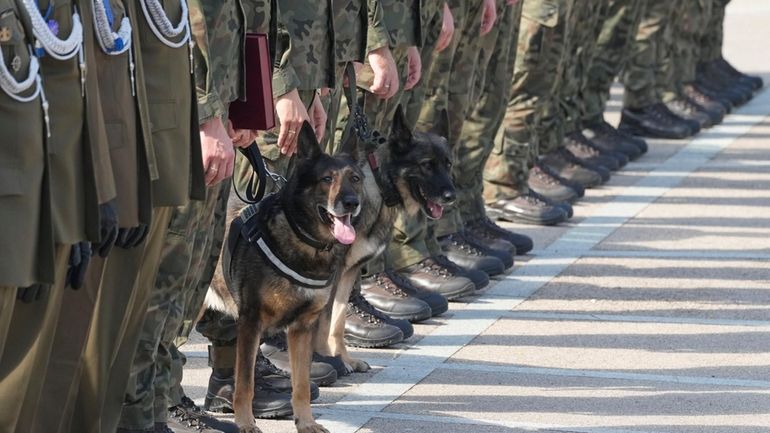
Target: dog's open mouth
341,225
432,209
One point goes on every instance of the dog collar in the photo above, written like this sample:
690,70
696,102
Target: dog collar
250,226
384,181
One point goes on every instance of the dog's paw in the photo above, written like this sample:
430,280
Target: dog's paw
311,427
357,366
249,429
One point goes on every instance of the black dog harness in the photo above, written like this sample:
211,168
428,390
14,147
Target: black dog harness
250,226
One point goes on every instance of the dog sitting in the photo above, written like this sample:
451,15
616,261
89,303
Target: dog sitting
409,172
280,265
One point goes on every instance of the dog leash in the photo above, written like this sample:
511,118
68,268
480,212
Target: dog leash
254,156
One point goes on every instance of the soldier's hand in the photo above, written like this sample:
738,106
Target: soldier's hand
291,113
447,29
385,83
80,257
35,292
318,117
108,227
488,17
132,237
414,67
217,149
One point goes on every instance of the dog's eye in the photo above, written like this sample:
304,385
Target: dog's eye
327,179
355,178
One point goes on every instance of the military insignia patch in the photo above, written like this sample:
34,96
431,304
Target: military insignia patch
5,34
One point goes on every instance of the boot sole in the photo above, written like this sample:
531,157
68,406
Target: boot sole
327,380
638,131
220,405
372,344
412,317
531,221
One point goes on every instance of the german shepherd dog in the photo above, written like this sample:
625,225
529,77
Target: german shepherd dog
308,228
408,172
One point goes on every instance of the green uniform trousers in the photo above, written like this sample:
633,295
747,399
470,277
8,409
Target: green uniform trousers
475,148
181,260
649,64
611,53
712,38
126,281
531,110
29,337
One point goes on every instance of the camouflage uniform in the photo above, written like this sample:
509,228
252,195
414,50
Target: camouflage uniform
531,110
586,24
193,229
713,32
650,64
477,138
618,32
432,17
304,33
395,24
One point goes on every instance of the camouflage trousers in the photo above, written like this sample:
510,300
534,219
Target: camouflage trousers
650,65
712,36
585,25
492,84
177,295
532,109
611,53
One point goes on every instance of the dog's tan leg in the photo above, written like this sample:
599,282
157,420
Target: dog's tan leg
339,311
321,333
299,338
246,356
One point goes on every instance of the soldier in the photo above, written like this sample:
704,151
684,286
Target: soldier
303,33
529,115
27,259
477,137
614,41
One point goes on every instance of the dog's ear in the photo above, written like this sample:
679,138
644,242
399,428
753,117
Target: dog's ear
307,145
400,134
441,124
349,144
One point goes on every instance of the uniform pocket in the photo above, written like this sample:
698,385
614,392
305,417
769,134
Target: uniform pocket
163,115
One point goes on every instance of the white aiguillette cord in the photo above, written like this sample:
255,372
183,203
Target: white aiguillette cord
164,30
114,43
14,88
60,49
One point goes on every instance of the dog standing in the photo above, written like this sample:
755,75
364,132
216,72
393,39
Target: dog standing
409,171
280,266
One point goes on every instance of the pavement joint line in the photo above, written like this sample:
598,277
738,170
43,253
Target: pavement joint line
342,413
386,386
636,319
679,254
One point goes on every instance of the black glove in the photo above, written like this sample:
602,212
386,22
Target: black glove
35,292
80,256
108,224
131,238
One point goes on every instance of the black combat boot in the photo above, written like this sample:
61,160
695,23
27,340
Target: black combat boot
390,298
484,225
572,168
438,304
369,328
465,255
267,403
607,137
429,275
588,151
527,208
651,122
322,372
187,417
547,183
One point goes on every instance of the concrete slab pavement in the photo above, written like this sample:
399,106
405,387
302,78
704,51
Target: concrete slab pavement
648,312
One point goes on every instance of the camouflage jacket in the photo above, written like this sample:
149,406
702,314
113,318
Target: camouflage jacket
393,23
304,46
350,26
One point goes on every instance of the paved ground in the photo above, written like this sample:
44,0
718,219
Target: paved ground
649,312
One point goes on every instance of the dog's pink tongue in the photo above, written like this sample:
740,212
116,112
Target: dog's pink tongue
343,231
436,210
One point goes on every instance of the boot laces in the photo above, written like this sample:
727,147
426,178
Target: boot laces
189,414
545,175
462,244
386,282
363,309
435,269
